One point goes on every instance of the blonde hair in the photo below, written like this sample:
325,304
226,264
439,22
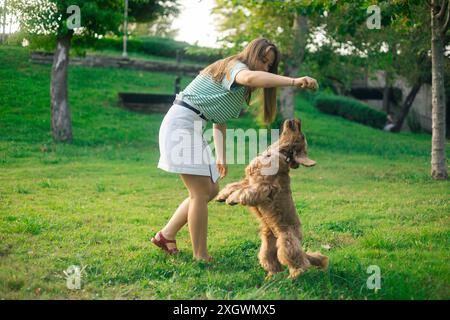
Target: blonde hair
253,53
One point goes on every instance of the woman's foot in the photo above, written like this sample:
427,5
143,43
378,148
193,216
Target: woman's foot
204,258
168,245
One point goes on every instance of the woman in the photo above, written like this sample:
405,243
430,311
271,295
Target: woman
217,94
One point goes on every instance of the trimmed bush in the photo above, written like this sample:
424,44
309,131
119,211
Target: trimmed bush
350,109
163,47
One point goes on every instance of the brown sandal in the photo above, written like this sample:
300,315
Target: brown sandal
162,243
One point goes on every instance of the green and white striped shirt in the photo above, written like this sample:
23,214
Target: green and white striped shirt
219,102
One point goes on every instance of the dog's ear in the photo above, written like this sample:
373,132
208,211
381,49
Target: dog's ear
302,158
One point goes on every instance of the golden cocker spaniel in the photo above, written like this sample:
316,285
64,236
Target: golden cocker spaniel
266,190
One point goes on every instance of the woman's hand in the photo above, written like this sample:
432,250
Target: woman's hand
306,83
223,169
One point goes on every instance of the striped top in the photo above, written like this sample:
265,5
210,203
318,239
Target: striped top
219,102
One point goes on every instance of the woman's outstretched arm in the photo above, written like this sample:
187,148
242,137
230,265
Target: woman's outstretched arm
261,79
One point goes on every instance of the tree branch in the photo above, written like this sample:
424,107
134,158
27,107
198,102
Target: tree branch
434,7
441,13
447,19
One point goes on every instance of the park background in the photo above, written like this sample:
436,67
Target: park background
89,194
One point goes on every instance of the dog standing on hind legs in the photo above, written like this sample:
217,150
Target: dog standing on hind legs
267,193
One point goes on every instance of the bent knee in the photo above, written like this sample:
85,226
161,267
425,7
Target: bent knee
214,191
206,195
196,196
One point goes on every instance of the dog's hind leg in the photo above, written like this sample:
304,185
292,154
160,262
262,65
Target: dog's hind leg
317,259
291,254
268,251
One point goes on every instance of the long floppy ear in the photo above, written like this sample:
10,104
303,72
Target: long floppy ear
303,159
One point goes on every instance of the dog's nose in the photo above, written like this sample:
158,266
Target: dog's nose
292,124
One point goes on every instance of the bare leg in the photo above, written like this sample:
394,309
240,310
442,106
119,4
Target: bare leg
201,191
178,220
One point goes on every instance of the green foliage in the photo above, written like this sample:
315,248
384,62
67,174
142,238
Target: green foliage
163,47
16,38
350,109
397,47
49,17
96,202
146,11
204,54
98,17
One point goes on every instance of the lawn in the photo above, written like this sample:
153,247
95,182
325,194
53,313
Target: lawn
96,202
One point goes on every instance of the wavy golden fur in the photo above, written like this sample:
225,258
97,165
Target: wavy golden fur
269,197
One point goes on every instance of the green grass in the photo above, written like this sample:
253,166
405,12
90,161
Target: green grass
96,202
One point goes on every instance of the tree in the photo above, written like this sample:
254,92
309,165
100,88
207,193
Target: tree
440,21
408,33
60,19
399,45
400,48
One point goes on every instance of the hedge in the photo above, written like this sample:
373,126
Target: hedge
350,109
163,47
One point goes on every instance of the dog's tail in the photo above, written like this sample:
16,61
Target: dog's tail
317,259
228,190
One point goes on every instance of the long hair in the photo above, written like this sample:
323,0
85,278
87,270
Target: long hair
253,53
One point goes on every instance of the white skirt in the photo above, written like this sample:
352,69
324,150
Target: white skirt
182,146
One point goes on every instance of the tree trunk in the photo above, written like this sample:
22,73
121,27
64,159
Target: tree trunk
438,158
4,22
287,96
61,122
406,106
293,63
386,92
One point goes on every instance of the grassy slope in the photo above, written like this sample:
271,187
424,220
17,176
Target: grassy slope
96,202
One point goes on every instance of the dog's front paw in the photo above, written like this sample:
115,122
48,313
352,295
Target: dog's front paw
220,198
231,202
234,199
